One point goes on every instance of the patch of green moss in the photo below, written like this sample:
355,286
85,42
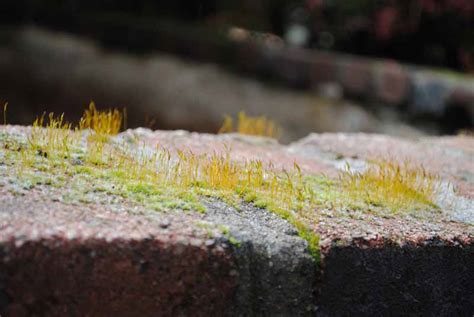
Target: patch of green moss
233,241
209,227
312,238
224,229
250,197
89,183
96,169
261,204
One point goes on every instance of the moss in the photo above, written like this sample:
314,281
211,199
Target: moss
388,185
224,230
260,126
250,197
261,204
312,239
209,227
93,168
140,188
233,241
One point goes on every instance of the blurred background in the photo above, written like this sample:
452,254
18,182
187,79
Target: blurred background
398,67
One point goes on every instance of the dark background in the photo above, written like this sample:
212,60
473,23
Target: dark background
428,32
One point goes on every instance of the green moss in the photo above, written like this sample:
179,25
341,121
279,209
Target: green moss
88,182
313,241
250,197
92,171
388,186
143,189
304,229
261,204
226,233
233,241
209,227
224,230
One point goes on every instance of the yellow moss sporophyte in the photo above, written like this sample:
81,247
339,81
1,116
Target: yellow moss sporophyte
86,158
260,126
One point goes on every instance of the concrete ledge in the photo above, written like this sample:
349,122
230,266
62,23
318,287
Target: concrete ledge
61,258
84,260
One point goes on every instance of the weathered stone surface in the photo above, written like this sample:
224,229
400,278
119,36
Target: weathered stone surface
59,258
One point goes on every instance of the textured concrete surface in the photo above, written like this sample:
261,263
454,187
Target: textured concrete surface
432,280
118,258
60,260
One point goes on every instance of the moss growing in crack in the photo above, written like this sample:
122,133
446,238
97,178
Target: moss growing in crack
311,238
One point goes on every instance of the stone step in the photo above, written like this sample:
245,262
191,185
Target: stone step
114,257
